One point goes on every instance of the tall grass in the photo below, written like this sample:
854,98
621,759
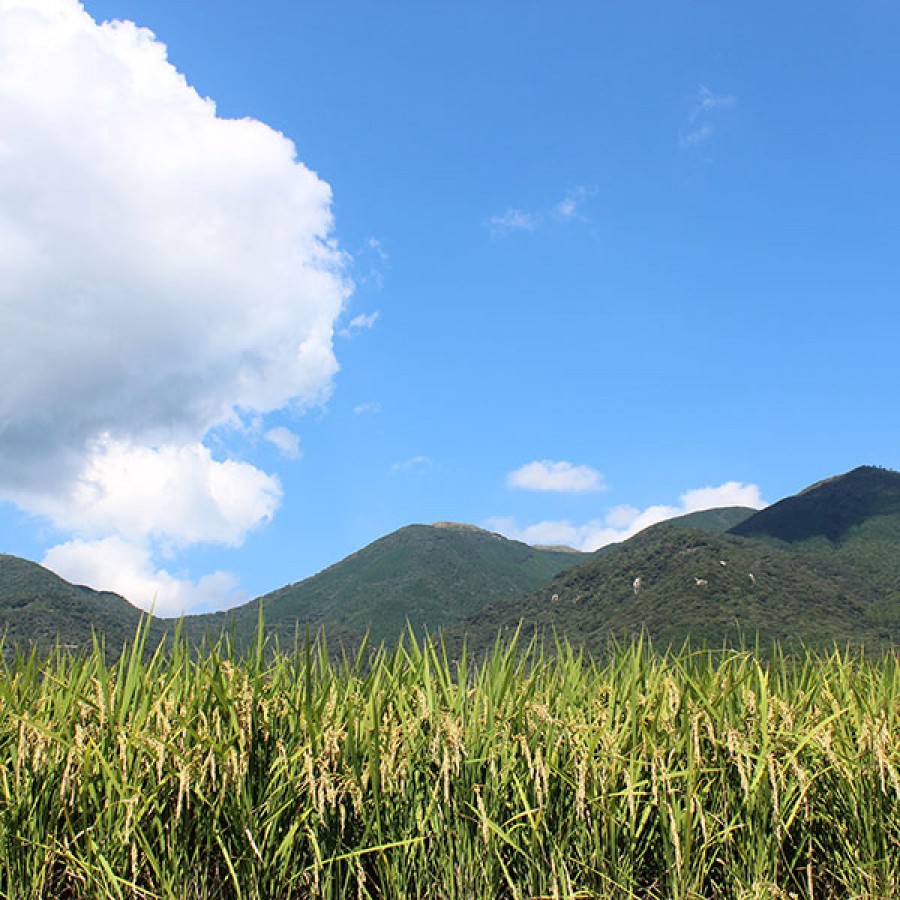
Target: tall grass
402,774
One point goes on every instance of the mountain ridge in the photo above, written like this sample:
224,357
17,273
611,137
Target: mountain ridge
837,581
819,567
38,606
429,576
828,508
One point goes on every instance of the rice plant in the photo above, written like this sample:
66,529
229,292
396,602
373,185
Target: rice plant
402,773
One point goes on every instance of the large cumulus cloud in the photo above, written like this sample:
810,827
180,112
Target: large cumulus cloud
163,272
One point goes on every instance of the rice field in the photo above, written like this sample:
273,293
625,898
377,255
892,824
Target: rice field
404,774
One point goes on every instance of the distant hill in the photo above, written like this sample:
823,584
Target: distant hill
432,576
851,521
820,568
715,589
830,509
38,607
715,520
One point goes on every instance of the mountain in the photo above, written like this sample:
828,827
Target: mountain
715,520
38,607
851,521
818,569
715,589
432,576
831,509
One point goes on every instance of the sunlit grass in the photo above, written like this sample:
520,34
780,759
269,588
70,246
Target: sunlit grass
404,774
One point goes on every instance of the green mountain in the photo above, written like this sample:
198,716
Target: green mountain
715,520
38,607
818,568
832,509
836,581
712,588
431,576
851,521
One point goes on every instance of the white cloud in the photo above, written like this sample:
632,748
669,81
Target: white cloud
569,208
366,408
566,210
697,135
700,127
512,220
415,462
376,248
732,493
559,533
623,522
163,272
370,260
174,493
362,322
285,440
127,569
564,477
707,101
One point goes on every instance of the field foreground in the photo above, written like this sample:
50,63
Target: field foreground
406,775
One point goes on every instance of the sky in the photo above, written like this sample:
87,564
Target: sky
279,278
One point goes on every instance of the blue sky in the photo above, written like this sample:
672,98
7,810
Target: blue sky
558,270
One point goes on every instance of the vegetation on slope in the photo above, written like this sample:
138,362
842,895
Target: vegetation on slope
404,776
41,609
713,589
723,518
851,522
816,569
431,576
829,509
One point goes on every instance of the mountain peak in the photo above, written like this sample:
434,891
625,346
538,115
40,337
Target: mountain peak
828,508
461,526
871,475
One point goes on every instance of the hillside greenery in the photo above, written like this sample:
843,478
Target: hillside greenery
714,589
819,569
851,522
427,577
39,608
830,509
717,520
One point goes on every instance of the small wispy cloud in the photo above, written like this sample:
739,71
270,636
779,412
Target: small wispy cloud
369,263
285,440
362,322
707,101
514,219
696,136
700,127
511,221
370,408
414,462
569,208
374,246
558,477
